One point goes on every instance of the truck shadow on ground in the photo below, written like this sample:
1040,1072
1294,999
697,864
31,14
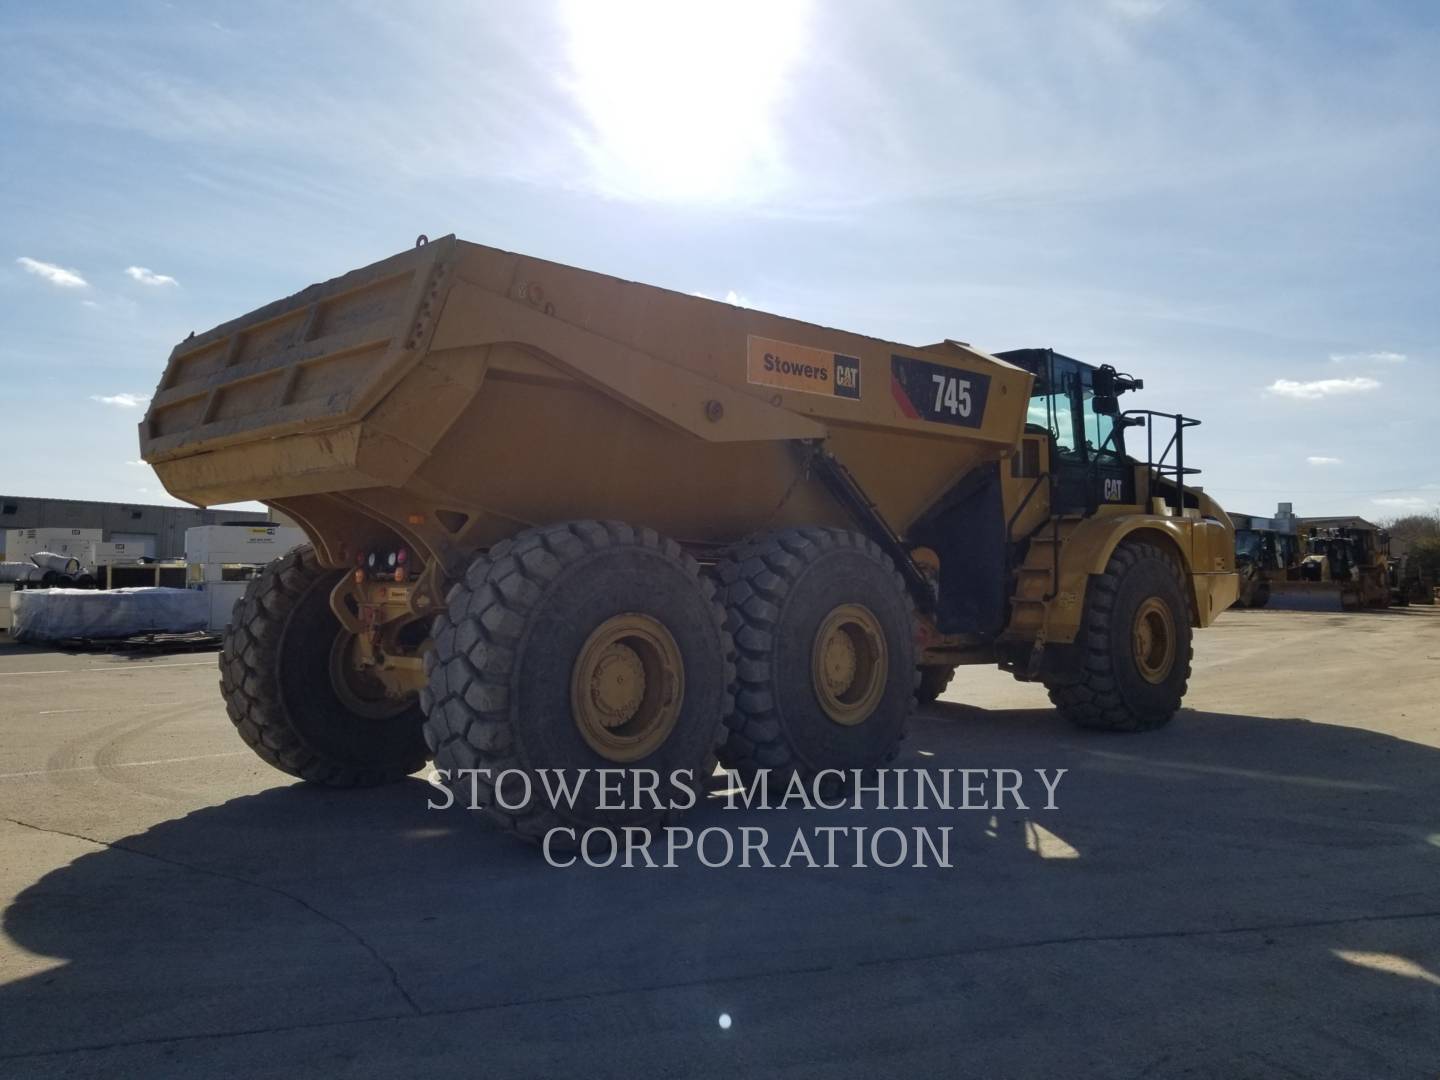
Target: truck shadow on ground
1284,876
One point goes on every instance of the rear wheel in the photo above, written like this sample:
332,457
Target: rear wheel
295,697
1136,642
581,646
825,634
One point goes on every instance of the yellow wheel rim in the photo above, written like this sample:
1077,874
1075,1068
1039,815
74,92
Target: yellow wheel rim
626,687
1153,636
361,690
849,664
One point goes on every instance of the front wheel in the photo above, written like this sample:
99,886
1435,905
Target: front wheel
1135,642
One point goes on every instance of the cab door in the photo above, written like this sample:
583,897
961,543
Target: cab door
1091,469
1111,479
1054,410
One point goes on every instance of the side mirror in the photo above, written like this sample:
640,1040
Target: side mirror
1108,382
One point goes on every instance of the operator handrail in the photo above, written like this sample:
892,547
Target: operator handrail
1160,466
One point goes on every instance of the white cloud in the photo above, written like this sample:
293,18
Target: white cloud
122,401
146,276
1402,502
1381,357
1320,459
731,297
1322,388
56,275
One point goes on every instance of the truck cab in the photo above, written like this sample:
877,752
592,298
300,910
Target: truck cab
1073,406
1072,492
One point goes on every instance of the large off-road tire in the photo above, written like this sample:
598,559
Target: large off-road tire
1136,643
825,631
277,674
579,646
1261,596
933,681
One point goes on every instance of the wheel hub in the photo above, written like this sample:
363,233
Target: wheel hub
849,664
617,684
363,689
1153,640
627,686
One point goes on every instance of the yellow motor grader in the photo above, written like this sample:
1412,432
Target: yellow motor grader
564,521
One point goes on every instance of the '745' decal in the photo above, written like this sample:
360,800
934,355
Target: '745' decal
938,392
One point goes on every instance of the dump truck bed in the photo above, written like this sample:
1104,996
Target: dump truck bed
464,391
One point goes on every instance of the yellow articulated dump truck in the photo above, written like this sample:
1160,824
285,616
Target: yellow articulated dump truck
561,521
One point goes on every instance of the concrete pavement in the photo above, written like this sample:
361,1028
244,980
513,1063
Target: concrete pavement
1252,891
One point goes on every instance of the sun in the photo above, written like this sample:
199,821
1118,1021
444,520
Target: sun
681,98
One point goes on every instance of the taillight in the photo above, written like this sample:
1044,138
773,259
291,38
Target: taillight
383,565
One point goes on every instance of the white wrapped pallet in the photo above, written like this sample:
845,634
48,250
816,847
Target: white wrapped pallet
62,614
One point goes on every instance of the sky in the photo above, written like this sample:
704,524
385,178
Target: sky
1237,202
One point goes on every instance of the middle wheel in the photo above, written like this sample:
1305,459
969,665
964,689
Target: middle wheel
825,634
573,652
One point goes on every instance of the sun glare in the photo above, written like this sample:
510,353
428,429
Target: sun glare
682,97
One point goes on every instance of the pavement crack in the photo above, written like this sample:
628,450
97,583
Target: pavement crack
294,898
661,987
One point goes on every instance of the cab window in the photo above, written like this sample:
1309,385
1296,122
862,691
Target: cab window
1099,430
1052,412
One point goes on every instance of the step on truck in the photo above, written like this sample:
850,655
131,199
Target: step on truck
559,520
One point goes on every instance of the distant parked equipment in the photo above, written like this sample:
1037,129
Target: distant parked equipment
1349,561
20,544
145,529
1411,582
224,559
1266,550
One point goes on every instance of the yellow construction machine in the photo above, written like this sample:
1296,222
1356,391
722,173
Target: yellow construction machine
1266,550
1351,562
564,521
